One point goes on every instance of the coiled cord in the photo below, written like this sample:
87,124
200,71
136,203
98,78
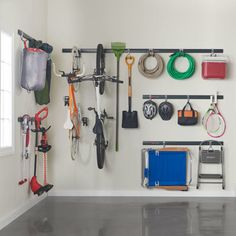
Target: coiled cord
154,72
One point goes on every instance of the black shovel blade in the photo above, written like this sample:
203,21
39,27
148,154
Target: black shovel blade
130,119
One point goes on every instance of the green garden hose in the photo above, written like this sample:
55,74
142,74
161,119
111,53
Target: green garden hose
175,73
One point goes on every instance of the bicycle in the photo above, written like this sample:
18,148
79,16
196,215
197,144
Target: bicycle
98,78
73,120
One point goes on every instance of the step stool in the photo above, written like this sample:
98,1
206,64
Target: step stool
211,156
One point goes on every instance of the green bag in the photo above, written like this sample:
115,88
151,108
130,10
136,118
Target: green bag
42,97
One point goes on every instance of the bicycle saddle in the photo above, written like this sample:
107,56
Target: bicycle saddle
68,124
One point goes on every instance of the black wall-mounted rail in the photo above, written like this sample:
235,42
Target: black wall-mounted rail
26,36
146,96
180,143
146,50
34,42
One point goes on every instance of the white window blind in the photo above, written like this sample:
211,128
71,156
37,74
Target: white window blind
6,92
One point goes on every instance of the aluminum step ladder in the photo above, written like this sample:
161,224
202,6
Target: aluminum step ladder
211,156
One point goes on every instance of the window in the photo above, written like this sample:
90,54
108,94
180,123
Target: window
6,93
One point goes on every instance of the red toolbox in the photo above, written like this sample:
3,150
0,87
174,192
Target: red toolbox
214,67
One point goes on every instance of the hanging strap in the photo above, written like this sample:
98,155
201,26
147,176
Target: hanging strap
191,109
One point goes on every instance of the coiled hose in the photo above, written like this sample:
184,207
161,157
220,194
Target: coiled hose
174,73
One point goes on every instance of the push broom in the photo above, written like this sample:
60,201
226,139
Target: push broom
118,48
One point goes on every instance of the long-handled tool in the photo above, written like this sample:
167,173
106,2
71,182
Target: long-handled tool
36,187
25,122
44,147
129,118
118,48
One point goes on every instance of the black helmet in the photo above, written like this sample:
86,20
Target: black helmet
166,110
150,109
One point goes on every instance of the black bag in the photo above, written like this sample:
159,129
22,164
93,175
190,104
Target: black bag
187,117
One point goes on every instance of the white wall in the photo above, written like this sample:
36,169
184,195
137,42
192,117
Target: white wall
30,16
149,24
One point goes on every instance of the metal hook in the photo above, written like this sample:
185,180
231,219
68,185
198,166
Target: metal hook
151,52
212,99
212,52
128,51
216,98
164,144
210,145
22,37
150,97
181,51
188,98
165,98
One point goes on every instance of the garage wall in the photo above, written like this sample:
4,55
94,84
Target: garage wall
149,24
30,16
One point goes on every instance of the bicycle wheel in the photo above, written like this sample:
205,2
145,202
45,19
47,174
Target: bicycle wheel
100,66
101,147
74,144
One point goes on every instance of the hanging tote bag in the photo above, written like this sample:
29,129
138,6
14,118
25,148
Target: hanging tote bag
42,97
33,69
187,117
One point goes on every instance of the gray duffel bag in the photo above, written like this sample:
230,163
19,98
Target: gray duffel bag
34,69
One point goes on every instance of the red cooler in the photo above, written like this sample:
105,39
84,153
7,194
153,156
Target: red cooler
214,67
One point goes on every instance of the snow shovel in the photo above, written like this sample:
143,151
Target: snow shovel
129,118
118,48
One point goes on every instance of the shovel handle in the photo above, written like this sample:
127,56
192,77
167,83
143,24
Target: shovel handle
129,60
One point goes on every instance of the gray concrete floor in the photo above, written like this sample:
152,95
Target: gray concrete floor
105,216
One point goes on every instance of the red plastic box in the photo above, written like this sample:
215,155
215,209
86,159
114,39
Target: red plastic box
214,67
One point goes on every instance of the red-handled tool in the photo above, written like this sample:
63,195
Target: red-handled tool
44,148
40,116
36,187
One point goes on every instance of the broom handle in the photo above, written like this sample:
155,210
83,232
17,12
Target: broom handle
117,105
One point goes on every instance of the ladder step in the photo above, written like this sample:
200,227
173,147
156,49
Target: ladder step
210,176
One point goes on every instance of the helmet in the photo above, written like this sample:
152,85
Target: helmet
150,109
166,110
